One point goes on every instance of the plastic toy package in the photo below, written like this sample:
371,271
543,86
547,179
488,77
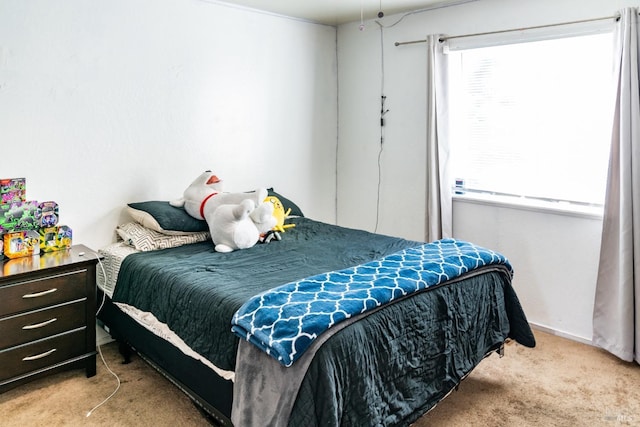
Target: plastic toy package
19,216
21,244
47,214
55,238
28,228
12,190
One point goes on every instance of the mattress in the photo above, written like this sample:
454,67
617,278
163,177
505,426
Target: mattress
195,291
113,256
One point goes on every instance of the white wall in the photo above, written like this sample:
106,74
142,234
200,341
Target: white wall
108,102
555,256
113,101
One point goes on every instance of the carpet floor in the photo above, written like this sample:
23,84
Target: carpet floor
559,383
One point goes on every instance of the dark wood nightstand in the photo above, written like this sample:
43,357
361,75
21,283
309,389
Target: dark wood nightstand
47,315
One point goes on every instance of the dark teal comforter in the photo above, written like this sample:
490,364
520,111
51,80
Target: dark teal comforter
392,367
196,291
387,369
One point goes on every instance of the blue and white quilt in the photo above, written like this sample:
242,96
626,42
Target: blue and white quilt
285,320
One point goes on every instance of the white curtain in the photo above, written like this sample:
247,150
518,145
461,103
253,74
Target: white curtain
616,316
439,210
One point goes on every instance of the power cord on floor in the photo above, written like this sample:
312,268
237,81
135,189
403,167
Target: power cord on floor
114,391
104,298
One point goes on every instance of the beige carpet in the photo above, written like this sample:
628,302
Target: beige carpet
559,383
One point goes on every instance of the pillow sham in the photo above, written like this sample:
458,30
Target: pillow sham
145,239
286,203
166,219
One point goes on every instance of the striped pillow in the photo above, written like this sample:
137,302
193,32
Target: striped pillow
145,239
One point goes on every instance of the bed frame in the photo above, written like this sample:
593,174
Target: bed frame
211,393
206,389
439,372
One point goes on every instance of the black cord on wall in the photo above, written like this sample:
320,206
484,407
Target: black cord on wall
383,99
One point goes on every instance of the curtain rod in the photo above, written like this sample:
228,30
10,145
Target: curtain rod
445,38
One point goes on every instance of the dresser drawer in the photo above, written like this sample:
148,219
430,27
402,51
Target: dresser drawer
30,357
42,292
34,325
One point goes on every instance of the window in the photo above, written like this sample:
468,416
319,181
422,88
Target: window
533,119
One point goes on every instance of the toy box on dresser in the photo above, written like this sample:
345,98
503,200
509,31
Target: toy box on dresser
47,291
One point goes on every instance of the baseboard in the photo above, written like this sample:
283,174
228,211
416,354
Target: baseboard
560,334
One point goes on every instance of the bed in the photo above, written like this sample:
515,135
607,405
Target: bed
168,296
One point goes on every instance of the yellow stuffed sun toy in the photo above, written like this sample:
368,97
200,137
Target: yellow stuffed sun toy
279,214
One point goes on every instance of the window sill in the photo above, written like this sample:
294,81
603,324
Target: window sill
523,203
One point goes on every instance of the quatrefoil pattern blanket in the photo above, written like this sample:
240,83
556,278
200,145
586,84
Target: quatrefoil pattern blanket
285,320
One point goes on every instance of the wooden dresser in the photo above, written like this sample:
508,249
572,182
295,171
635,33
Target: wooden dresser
47,315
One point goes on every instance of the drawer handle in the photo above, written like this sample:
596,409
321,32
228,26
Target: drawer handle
39,325
39,356
40,294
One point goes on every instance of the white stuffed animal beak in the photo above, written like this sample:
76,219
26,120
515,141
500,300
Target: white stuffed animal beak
213,180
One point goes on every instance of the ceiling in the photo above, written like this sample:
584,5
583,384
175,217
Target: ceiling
336,12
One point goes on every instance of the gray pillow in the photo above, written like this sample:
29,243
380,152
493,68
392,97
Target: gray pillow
160,216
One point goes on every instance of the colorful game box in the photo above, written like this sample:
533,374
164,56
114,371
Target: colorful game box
19,216
21,243
47,214
12,190
55,238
